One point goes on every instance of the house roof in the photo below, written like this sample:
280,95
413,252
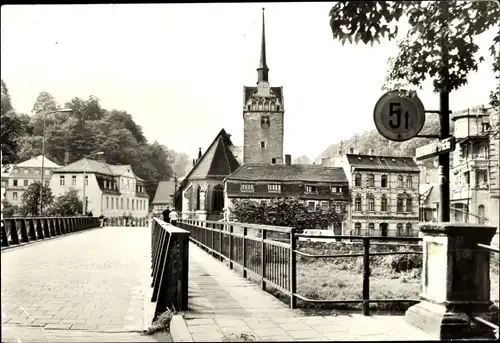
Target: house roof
93,166
163,192
375,162
284,172
36,162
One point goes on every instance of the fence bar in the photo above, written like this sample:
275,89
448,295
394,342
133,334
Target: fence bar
366,276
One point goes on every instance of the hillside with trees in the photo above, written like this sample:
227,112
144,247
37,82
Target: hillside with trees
88,128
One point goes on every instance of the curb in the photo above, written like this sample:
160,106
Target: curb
179,330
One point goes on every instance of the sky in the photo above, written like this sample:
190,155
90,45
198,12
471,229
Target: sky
179,69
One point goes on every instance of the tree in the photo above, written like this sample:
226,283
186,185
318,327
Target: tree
84,110
30,200
9,210
67,204
44,103
286,212
11,127
303,159
435,27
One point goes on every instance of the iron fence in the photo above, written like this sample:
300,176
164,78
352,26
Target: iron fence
270,253
23,230
169,267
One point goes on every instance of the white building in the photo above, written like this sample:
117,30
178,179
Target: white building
16,178
111,190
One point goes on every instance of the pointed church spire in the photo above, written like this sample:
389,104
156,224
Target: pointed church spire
263,70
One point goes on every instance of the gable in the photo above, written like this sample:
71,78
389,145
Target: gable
201,169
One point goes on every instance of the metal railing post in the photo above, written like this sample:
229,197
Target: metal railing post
366,276
293,269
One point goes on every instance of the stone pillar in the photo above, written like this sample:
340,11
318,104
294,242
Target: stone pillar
455,281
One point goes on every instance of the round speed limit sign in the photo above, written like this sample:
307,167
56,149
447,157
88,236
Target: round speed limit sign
399,117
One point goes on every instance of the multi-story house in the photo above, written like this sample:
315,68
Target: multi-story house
384,195
316,185
111,190
17,178
471,169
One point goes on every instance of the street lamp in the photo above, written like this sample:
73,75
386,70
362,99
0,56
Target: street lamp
84,179
62,110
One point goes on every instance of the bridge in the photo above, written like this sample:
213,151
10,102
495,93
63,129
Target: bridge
83,283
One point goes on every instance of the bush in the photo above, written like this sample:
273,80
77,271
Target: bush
404,263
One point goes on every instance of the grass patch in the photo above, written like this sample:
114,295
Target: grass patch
162,323
242,337
341,278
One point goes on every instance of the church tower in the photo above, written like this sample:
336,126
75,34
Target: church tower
263,116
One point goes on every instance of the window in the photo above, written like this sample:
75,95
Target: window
399,229
246,187
14,195
121,204
264,121
311,189
47,183
336,189
357,180
383,182
73,180
371,202
14,182
399,205
273,160
25,183
409,182
128,204
467,177
325,205
25,171
47,172
37,172
400,181
61,180
112,203
357,203
409,205
408,229
107,203
274,188
262,144
133,204
357,229
370,180
338,208
371,229
383,203
311,206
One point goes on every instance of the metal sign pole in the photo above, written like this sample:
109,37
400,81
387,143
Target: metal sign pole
444,123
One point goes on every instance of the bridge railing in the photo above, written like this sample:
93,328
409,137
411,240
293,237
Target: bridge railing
23,230
270,253
170,267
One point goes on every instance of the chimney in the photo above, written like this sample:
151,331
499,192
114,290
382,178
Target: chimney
370,151
351,150
194,162
288,160
66,158
199,154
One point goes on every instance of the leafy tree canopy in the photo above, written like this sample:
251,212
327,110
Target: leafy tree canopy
452,25
30,200
285,212
68,204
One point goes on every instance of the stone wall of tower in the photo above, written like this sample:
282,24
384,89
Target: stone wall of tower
255,133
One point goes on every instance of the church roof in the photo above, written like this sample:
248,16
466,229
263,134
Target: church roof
217,161
285,172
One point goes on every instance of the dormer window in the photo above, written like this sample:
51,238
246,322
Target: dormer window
336,189
265,122
275,188
247,187
311,189
262,144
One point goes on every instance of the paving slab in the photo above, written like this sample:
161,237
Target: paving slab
223,303
94,281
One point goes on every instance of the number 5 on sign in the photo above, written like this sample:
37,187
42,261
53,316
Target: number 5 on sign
399,117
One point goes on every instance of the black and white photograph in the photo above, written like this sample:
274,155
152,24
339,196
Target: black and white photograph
246,172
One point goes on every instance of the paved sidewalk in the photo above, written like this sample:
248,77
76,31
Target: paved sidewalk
81,286
223,303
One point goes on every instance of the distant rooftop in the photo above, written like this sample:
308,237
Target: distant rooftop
163,192
403,163
36,162
93,166
284,172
